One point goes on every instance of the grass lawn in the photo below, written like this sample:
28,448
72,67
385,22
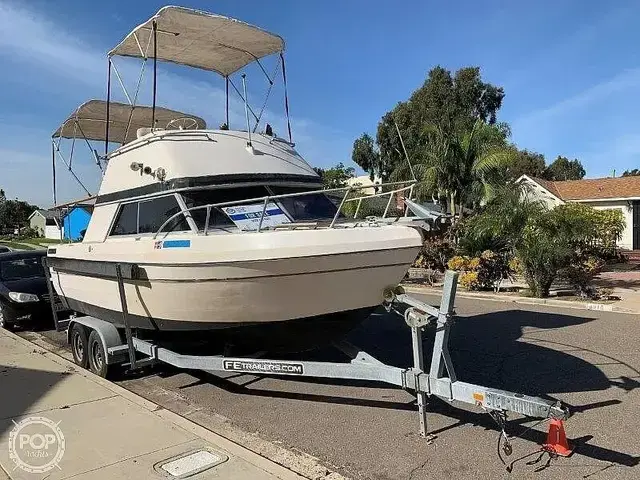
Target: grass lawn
35,241
41,241
16,246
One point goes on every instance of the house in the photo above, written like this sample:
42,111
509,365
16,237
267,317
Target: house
46,223
622,193
75,218
368,186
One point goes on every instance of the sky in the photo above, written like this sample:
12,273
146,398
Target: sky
570,70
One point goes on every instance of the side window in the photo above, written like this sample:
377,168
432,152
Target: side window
153,213
148,216
127,220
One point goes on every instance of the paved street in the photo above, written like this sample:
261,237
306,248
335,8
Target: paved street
590,360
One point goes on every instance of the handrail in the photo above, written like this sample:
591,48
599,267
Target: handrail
266,199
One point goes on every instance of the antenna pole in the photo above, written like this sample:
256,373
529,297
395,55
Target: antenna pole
405,151
226,82
106,133
246,108
53,166
155,72
286,96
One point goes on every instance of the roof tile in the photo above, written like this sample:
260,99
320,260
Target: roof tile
594,188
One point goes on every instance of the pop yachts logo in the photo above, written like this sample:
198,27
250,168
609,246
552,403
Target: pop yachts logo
36,444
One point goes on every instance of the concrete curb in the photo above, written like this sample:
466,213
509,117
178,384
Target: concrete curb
292,469
549,302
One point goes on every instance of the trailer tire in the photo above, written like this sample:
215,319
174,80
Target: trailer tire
97,355
79,341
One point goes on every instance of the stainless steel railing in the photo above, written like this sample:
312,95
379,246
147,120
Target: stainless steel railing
269,198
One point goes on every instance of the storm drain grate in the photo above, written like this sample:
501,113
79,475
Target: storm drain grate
190,464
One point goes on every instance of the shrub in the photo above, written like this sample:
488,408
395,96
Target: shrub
483,272
434,254
469,280
458,263
580,274
29,232
546,242
515,265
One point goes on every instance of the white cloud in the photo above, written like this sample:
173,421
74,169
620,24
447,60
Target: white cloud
67,67
36,40
629,79
621,153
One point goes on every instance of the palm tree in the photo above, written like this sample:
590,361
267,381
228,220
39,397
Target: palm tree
464,167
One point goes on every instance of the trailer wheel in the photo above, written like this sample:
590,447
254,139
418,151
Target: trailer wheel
97,356
79,345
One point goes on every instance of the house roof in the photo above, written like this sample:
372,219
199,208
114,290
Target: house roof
593,188
547,185
47,214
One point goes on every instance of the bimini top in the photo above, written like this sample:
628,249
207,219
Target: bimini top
199,39
90,119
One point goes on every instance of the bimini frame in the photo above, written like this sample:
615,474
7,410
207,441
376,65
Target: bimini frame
200,40
89,122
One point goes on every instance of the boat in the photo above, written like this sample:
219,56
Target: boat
220,229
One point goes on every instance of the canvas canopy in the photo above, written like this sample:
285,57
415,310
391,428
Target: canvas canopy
90,119
200,39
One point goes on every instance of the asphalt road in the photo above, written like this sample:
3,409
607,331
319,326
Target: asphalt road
589,360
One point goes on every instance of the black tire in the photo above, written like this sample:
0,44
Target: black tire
97,356
7,320
79,342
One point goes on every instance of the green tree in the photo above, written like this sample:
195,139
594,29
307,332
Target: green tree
527,163
463,167
451,102
366,155
14,214
564,169
631,173
335,177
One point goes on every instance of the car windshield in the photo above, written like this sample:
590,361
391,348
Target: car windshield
20,268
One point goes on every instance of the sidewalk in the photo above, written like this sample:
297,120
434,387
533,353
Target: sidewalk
105,431
629,299
622,282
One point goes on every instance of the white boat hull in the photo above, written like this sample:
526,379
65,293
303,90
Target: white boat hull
175,294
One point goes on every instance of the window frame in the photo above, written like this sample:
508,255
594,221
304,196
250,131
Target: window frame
185,216
217,188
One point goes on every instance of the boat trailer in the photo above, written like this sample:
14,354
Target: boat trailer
122,347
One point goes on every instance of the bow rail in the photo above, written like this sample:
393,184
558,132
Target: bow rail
269,198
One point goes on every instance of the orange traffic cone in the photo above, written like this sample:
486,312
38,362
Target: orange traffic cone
557,440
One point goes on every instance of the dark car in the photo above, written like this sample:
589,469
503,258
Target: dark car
24,296
4,249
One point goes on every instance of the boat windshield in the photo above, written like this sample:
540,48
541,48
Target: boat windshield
303,208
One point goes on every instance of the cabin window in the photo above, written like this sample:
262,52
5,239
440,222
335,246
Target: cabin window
304,208
153,213
127,220
147,216
217,217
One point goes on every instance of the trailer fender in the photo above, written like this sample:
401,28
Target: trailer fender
108,333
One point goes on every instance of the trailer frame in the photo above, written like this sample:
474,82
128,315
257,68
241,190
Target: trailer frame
122,346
